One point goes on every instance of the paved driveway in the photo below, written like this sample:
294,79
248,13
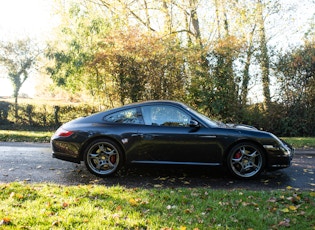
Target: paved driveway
33,163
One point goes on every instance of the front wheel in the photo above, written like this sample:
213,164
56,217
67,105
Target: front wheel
246,160
103,157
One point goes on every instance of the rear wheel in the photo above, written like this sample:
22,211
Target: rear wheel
103,157
246,160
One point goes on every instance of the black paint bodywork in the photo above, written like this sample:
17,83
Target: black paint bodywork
203,143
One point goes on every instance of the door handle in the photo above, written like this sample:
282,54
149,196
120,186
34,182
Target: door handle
137,135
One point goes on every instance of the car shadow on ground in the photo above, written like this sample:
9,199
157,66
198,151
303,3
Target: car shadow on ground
161,176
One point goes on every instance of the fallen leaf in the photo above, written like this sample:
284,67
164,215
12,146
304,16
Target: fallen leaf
272,200
162,178
172,180
285,223
285,210
5,221
55,223
65,204
19,196
133,202
302,213
116,215
297,197
187,211
170,207
292,208
12,194
274,209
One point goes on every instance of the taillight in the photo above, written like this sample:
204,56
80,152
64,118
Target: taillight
63,133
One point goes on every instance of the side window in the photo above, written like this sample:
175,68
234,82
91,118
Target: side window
129,116
165,116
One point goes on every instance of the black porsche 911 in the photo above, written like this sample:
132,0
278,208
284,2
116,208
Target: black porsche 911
167,132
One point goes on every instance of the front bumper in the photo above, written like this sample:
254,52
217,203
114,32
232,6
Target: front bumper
280,157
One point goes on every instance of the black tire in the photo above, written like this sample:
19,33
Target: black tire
103,157
246,160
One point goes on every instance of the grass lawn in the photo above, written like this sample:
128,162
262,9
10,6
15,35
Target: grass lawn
49,206
301,142
24,136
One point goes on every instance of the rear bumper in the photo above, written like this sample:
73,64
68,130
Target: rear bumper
66,151
63,157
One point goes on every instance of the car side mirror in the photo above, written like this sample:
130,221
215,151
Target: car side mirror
194,124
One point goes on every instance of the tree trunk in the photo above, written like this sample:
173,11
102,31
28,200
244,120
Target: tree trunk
195,22
246,77
168,20
16,89
16,107
264,58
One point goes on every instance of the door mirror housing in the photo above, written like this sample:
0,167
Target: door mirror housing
194,124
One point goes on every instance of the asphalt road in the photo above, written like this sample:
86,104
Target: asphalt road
32,163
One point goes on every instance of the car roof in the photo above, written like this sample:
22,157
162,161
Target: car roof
150,102
101,114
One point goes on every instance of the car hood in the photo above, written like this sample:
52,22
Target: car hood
241,126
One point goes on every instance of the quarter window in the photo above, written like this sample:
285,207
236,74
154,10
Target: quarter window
130,116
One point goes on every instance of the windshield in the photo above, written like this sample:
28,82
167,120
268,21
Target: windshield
205,119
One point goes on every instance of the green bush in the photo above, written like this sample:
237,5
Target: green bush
290,121
45,116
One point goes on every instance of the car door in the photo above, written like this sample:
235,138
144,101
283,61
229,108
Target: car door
168,137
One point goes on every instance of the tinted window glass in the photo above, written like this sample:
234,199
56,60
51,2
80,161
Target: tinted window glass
165,116
130,116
